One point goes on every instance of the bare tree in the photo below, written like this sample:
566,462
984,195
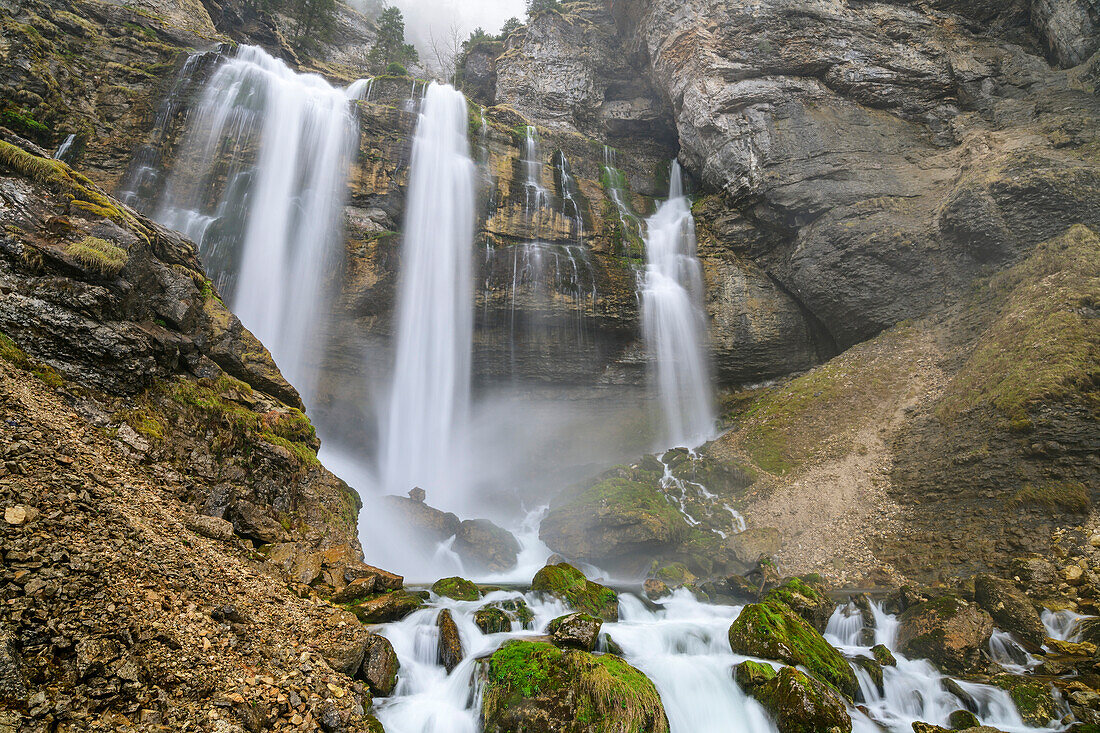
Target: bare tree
446,49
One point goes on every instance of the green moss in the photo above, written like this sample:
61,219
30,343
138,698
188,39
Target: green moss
144,422
1033,698
23,123
773,631
604,692
99,255
236,427
78,189
1070,496
1041,345
12,354
569,584
459,589
750,674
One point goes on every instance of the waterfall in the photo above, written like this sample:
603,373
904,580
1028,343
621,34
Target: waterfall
431,386
674,322
278,144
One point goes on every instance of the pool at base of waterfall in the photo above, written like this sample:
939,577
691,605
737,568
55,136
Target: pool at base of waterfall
682,645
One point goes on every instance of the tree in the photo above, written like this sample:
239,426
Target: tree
315,21
534,7
510,26
446,49
390,47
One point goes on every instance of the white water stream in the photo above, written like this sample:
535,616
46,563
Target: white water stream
674,323
682,646
430,398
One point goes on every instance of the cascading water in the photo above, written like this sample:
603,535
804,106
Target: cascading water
278,144
430,396
683,646
674,322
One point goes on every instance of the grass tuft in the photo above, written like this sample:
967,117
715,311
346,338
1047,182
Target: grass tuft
99,255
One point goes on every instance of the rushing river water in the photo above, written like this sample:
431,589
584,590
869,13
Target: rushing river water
683,646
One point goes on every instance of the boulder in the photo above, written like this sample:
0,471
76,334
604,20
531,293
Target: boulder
754,543
797,702
212,527
456,588
392,606
436,525
356,590
565,582
655,589
13,688
485,546
354,569
873,669
884,656
254,522
344,650
576,630
535,686
1010,609
806,598
492,620
947,631
963,720
516,609
1033,698
771,630
450,642
380,665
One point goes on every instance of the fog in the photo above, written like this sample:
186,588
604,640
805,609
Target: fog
423,18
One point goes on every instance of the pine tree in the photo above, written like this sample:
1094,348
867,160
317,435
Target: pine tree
390,47
510,26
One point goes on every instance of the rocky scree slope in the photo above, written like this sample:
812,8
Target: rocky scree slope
150,447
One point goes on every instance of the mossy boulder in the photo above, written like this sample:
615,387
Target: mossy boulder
575,630
535,686
615,521
386,607
380,665
1033,698
947,631
771,630
963,720
517,610
456,588
806,598
565,582
884,656
450,642
797,702
1010,609
492,620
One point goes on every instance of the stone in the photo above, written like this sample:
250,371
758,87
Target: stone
212,527
577,630
391,606
771,630
344,652
754,543
357,590
565,582
884,656
1011,610
1073,574
516,609
456,588
873,670
418,495
797,702
434,524
492,620
807,599
963,720
947,631
13,687
655,589
253,522
19,514
482,544
1033,698
450,642
528,683
380,665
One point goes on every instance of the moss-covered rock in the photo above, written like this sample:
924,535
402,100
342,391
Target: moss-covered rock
947,631
457,588
492,620
1033,698
1010,609
873,669
576,630
450,641
386,607
569,584
804,597
884,656
535,686
963,720
773,631
797,702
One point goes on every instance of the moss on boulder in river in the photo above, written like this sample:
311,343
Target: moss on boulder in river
569,584
456,588
528,681
797,702
773,631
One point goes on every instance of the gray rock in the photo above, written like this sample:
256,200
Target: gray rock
577,630
380,665
450,642
12,685
482,544
212,527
